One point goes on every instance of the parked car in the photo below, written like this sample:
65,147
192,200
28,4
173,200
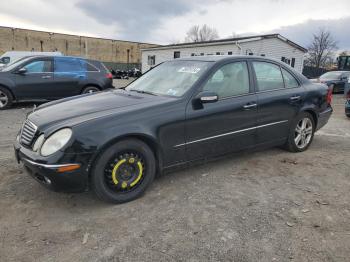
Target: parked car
13,56
347,95
182,111
48,78
334,79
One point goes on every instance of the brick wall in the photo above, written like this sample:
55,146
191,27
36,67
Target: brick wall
106,50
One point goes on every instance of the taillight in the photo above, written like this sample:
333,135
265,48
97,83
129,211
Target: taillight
330,95
109,76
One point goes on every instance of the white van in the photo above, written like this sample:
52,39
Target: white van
12,56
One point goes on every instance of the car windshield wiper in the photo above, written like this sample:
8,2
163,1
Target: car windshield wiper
143,92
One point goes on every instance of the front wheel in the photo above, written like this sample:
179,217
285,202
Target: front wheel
123,171
301,133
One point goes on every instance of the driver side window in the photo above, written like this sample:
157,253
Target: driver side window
39,66
229,80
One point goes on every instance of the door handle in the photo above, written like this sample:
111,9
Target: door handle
250,105
295,98
46,77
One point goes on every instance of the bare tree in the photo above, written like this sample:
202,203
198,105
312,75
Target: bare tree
321,49
198,34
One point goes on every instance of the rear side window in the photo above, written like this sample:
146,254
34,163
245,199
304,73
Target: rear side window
289,80
87,67
39,66
67,65
268,76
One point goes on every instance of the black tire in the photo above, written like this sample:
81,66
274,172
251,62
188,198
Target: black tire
90,89
6,98
101,177
308,135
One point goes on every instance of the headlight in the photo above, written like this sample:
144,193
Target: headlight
38,143
56,141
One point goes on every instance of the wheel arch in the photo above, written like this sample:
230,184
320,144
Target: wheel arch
10,91
148,140
313,114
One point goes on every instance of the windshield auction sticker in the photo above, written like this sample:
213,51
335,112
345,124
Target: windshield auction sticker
189,69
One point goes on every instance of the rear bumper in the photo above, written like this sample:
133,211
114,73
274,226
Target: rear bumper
324,117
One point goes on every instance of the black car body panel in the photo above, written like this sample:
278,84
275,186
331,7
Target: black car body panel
50,82
177,129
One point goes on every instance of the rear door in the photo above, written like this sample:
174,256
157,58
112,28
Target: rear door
37,81
228,124
68,75
279,96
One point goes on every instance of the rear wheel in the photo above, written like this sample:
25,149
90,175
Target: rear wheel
5,98
90,89
123,171
301,133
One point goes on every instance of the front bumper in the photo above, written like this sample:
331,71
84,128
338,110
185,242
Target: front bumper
324,117
45,170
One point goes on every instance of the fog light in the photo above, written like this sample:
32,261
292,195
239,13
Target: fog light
47,181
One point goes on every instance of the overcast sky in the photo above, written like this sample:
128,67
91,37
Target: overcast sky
166,21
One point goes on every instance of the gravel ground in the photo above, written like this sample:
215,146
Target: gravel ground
269,205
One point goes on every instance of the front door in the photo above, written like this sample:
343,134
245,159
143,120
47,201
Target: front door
228,124
36,82
280,97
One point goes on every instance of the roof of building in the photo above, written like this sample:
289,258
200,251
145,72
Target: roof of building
230,40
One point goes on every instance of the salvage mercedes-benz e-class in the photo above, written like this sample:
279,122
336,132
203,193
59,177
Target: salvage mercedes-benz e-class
179,112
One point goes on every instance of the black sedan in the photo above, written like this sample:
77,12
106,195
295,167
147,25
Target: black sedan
47,78
180,112
334,79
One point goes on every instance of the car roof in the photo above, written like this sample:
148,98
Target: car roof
217,58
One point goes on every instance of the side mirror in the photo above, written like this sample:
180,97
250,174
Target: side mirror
207,97
22,71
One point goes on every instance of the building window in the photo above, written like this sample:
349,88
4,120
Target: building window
202,54
229,53
283,59
262,54
293,62
176,54
151,60
251,53
193,54
217,53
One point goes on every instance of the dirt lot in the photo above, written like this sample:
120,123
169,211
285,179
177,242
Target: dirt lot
263,206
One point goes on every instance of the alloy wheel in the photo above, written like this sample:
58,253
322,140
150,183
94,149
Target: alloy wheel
303,133
3,99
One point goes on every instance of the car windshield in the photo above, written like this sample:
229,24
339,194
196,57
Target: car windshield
331,75
173,78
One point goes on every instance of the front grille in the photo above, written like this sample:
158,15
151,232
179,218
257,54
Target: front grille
27,133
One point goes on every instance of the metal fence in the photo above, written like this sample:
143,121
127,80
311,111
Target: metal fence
313,72
121,66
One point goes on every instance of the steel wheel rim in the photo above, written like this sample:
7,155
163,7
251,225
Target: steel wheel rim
303,133
3,99
125,172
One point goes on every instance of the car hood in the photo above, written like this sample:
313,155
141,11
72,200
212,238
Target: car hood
76,110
